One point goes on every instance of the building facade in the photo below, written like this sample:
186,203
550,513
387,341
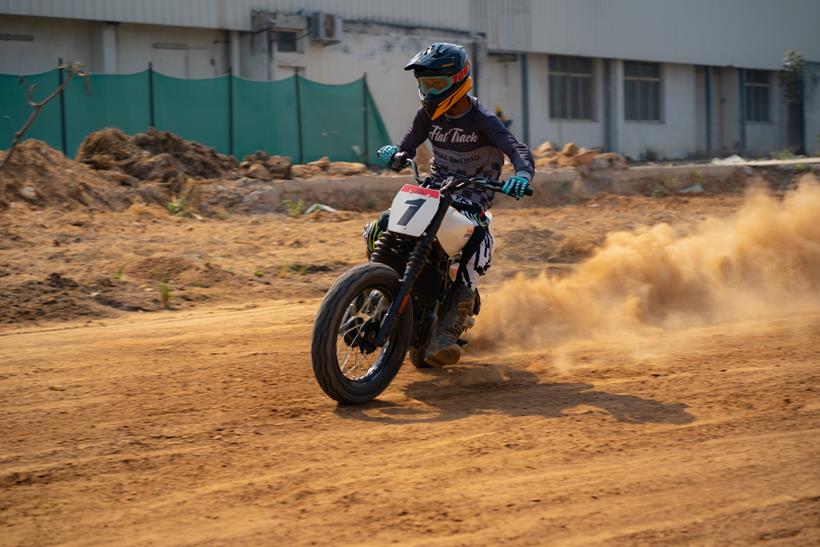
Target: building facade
651,79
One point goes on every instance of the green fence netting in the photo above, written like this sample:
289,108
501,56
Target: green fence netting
197,110
14,109
295,117
265,117
106,101
327,129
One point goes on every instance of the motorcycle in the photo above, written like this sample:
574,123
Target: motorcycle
378,311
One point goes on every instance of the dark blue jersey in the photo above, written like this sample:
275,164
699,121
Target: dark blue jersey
472,144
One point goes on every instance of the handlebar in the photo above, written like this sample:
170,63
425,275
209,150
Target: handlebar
401,160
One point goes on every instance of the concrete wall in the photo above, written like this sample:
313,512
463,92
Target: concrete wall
500,85
675,135
589,133
52,39
203,53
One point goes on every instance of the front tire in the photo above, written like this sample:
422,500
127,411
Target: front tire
356,299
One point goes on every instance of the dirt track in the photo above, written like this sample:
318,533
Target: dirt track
204,425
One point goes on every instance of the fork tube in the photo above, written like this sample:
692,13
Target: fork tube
417,260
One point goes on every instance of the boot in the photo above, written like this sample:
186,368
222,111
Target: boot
443,348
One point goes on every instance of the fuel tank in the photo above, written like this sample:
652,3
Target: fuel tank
455,232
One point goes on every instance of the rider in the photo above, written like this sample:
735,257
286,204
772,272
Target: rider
468,141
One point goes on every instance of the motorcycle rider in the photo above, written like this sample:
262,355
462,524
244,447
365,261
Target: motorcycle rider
468,140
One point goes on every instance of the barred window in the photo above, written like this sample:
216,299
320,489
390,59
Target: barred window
286,42
570,81
757,95
642,91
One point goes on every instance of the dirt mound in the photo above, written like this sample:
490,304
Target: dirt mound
179,271
54,298
41,176
153,155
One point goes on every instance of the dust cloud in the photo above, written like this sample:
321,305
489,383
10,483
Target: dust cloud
762,261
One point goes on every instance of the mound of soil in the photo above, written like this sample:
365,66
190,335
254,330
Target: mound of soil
40,176
153,155
179,271
59,297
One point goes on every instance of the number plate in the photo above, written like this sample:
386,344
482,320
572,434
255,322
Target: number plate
412,210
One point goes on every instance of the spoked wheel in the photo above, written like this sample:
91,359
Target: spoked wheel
348,365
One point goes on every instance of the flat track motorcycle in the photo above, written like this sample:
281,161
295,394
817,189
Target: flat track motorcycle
375,312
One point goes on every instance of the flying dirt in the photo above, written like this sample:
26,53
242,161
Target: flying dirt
761,261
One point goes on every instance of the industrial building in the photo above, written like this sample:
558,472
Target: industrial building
646,78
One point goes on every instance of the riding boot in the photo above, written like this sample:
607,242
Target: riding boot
443,348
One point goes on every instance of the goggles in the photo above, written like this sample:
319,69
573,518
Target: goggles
436,85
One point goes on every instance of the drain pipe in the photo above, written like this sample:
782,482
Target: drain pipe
707,79
741,85
525,96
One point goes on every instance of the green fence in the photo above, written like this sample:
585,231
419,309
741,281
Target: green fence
295,117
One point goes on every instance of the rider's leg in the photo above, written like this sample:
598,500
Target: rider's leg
373,230
444,348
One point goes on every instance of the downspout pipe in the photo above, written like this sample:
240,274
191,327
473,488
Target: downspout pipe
707,81
741,85
525,96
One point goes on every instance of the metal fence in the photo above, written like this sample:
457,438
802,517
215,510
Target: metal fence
295,117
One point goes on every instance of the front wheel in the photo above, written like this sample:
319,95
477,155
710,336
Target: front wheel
347,366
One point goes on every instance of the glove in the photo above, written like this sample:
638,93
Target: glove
515,186
387,152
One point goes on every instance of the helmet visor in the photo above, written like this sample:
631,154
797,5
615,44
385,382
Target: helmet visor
434,85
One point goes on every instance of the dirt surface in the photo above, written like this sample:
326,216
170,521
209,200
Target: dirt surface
202,423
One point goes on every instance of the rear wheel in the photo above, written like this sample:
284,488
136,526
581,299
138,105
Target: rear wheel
348,366
417,357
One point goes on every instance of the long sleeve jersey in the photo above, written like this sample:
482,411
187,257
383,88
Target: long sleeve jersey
472,144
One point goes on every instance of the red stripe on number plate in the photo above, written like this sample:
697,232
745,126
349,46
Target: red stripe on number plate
419,190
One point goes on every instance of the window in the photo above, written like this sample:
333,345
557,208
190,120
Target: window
286,41
570,87
642,91
757,95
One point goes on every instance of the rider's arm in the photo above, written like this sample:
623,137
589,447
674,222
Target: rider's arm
416,133
518,152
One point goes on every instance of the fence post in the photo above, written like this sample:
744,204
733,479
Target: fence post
62,107
366,116
299,118
151,120
230,111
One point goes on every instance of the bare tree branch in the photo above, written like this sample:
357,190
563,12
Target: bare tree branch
74,69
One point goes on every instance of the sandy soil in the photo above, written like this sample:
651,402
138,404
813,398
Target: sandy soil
203,425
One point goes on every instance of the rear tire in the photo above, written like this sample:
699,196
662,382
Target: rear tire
417,358
326,339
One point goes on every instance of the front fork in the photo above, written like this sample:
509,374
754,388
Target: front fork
415,264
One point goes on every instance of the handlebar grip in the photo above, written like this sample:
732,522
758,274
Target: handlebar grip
399,161
529,191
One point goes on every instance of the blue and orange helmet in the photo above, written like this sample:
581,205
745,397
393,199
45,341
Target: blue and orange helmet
443,74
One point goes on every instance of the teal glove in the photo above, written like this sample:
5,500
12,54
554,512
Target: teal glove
515,186
387,152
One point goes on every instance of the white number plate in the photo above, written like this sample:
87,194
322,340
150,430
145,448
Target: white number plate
412,210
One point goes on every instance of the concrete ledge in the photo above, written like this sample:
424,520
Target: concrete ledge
552,188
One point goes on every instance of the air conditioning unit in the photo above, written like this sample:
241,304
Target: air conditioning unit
325,27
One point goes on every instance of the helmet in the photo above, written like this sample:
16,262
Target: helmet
443,73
